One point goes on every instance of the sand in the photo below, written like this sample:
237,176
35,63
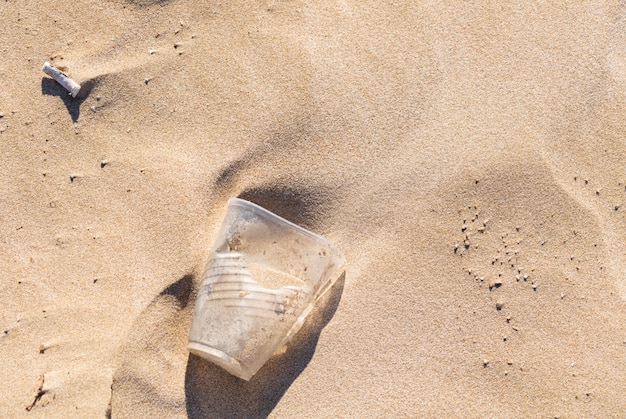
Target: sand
469,160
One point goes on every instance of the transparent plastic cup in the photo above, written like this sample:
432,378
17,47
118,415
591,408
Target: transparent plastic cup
263,279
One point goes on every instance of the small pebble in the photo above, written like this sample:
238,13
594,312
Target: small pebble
496,284
499,305
74,176
93,109
485,363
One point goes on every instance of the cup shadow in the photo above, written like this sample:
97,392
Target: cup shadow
51,88
212,392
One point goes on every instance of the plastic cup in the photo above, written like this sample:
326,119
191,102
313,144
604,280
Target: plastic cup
263,279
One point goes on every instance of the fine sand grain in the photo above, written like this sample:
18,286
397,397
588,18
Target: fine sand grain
468,159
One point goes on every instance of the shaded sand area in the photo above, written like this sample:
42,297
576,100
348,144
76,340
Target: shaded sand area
469,160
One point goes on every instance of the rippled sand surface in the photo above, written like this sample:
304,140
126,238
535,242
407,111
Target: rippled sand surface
468,159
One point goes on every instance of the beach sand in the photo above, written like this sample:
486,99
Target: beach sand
468,159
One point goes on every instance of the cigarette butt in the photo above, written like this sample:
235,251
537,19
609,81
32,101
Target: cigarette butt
62,78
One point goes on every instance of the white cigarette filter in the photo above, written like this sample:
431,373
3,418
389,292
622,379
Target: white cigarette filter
62,78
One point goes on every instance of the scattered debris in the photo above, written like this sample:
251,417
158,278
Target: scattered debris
36,394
